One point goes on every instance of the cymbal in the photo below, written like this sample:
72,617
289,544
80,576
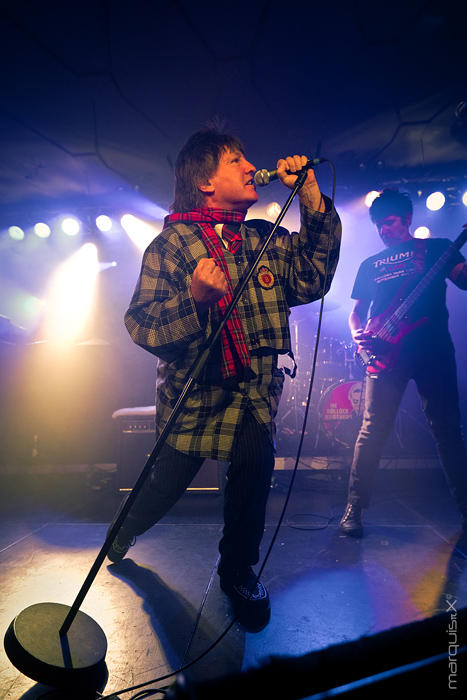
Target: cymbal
91,342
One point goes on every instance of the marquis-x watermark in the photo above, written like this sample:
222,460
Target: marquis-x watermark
453,643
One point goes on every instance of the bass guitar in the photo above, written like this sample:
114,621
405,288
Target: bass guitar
390,327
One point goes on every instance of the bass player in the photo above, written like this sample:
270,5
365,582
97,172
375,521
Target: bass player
420,348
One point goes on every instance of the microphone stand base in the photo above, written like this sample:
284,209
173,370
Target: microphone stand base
75,660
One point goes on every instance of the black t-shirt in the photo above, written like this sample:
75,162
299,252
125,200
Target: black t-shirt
396,270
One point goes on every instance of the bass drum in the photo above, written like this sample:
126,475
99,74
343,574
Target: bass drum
341,411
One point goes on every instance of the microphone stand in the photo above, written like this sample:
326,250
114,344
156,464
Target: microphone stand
37,640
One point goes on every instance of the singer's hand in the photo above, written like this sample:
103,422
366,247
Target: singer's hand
208,284
309,194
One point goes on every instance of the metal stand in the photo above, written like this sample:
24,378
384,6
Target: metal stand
52,643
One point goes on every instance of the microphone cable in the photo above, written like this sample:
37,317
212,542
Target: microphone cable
185,667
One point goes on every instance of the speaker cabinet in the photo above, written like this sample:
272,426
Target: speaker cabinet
137,440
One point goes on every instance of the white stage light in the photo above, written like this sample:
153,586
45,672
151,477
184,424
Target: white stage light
464,199
140,232
70,226
370,197
435,201
42,230
16,233
104,223
273,210
107,265
422,232
71,295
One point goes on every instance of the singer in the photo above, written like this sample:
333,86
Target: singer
188,276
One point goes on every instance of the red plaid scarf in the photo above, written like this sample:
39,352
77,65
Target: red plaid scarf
234,347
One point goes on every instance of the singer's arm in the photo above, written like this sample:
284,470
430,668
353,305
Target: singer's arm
309,194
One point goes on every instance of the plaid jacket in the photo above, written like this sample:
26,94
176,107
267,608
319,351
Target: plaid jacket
162,318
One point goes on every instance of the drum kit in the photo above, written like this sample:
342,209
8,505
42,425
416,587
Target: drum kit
337,399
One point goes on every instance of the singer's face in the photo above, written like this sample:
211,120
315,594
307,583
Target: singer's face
232,187
394,229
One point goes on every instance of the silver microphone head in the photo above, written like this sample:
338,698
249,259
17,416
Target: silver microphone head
261,177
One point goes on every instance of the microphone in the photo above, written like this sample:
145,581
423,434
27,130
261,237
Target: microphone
264,177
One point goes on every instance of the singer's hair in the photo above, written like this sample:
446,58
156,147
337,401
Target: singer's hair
391,202
196,163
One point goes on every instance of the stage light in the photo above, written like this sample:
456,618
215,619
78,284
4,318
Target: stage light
70,226
71,295
107,265
42,230
273,210
16,233
104,223
464,199
140,232
370,197
422,232
435,201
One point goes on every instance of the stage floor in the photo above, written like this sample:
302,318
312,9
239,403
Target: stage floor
161,606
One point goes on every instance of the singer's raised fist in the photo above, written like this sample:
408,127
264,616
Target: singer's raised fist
208,284
286,167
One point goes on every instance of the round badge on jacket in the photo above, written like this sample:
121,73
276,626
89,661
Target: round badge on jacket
265,277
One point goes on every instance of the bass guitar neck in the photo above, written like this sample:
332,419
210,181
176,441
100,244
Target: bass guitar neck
390,327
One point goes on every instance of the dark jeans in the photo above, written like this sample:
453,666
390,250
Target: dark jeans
245,497
434,372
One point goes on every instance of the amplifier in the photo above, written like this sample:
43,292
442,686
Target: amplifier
137,440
